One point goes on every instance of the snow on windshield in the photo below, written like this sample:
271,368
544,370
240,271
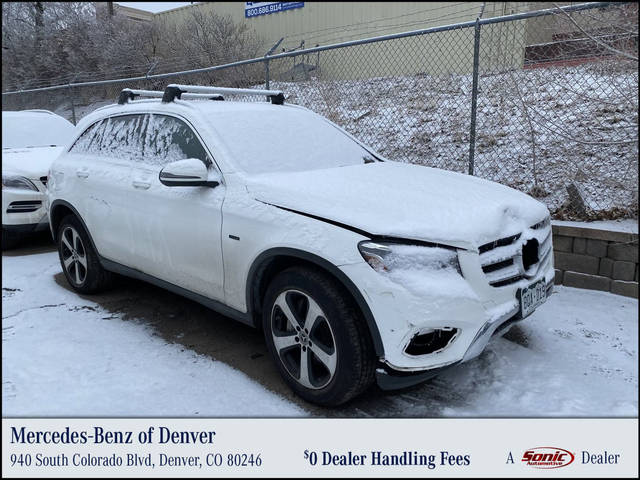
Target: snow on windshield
34,129
285,140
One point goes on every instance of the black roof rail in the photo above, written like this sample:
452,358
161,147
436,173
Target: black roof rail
174,91
130,94
171,93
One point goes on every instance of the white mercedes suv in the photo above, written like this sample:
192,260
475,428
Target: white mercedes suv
356,268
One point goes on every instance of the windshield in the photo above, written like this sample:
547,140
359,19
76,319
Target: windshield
285,140
33,129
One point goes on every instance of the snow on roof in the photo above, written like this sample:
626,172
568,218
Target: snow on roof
203,105
201,114
185,107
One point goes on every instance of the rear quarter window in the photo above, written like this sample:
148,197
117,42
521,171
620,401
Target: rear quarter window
89,141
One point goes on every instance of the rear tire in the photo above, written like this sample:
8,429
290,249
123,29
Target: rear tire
79,260
308,321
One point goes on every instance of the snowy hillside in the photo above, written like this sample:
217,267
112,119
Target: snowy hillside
584,122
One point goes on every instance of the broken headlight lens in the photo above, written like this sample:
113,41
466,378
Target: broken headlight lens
385,257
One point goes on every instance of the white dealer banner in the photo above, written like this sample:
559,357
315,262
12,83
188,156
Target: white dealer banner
253,9
290,447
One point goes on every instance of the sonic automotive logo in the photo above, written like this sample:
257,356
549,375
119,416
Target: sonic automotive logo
548,457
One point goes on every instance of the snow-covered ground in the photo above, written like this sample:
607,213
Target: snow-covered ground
576,356
65,355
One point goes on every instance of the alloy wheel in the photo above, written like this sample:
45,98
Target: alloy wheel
303,339
74,256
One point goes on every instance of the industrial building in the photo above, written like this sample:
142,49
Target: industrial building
300,25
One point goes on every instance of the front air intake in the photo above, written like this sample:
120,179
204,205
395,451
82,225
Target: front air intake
24,206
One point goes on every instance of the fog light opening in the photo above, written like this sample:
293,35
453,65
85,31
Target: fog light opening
432,341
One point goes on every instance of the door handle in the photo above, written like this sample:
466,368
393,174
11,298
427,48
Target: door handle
141,185
82,173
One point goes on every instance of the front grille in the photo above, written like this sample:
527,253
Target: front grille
545,247
24,206
506,261
492,267
499,243
507,281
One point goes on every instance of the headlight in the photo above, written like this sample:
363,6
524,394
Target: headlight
423,270
16,181
397,256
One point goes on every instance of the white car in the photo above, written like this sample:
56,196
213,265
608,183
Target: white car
356,268
31,140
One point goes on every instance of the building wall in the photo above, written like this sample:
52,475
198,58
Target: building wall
134,13
325,23
102,9
556,27
542,29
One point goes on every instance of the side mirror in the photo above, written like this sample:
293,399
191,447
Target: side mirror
187,173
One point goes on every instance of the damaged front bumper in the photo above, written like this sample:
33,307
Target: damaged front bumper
389,378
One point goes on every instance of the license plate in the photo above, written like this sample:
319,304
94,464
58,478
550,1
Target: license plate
531,297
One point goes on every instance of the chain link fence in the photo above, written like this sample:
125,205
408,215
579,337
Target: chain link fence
545,102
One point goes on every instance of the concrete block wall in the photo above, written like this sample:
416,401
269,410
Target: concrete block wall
596,259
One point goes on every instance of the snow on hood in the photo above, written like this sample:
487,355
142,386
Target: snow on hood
35,128
32,162
404,200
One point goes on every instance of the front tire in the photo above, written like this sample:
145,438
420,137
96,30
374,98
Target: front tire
317,337
79,260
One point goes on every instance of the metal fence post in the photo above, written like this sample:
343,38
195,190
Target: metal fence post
72,100
266,62
474,97
73,106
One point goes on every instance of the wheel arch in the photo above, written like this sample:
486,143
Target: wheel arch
271,262
60,209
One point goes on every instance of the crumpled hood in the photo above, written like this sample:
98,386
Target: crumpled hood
404,200
30,162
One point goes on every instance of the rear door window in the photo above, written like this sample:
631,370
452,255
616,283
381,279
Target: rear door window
123,137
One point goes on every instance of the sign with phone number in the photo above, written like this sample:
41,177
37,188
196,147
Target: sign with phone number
254,9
